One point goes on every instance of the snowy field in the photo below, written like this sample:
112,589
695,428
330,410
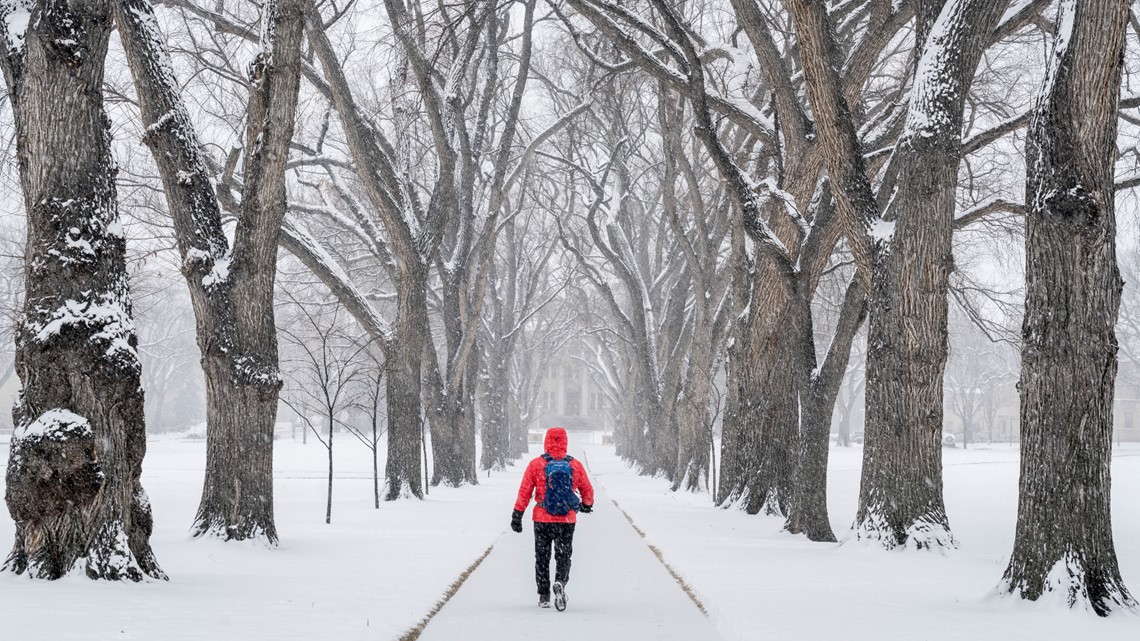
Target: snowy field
759,583
373,574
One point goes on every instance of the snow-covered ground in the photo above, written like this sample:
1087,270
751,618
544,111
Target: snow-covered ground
373,574
618,590
758,582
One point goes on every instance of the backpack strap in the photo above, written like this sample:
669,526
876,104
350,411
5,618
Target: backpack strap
546,457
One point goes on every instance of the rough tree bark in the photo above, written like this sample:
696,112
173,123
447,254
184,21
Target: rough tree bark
711,302
772,354
1064,540
496,430
900,497
231,288
808,511
513,288
404,358
904,260
73,485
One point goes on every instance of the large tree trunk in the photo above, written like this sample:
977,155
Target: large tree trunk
73,485
900,498
237,495
403,363
231,289
453,438
768,379
734,454
496,430
904,258
452,401
808,513
784,368
694,423
1064,532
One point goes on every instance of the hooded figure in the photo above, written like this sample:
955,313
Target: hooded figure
557,530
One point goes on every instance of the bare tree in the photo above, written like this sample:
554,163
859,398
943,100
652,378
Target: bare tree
1068,360
231,286
73,485
901,241
429,216
519,288
371,402
329,361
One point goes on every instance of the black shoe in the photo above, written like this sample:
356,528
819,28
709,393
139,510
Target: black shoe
559,596
544,600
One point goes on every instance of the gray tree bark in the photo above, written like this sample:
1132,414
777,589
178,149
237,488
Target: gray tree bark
808,511
1068,360
900,497
73,485
231,288
904,259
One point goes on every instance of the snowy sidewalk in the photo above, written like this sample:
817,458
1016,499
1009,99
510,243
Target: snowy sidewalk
617,590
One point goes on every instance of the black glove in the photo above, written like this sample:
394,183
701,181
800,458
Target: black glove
586,508
516,521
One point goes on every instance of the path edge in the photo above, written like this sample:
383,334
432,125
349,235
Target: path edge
415,631
661,557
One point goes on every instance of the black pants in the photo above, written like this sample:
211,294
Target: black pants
561,535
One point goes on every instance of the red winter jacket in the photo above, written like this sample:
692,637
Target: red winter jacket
534,480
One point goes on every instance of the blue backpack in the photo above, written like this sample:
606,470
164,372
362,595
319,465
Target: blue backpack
560,498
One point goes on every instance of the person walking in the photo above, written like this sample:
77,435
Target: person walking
561,489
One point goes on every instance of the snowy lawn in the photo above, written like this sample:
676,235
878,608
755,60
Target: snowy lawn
759,583
371,574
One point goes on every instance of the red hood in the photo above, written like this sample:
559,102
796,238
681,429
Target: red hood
555,443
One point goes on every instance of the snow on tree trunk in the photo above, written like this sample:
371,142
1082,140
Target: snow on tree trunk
900,498
453,438
402,473
73,485
452,409
1063,543
231,289
694,422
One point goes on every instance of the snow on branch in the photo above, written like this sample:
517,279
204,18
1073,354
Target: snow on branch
14,18
979,140
309,251
740,112
986,209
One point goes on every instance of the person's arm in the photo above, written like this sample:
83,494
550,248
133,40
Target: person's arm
526,489
585,488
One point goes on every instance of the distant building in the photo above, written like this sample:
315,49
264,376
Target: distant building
569,396
1126,420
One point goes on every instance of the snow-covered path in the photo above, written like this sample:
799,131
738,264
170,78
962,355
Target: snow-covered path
617,590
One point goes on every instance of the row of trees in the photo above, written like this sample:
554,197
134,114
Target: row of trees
710,197
856,149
